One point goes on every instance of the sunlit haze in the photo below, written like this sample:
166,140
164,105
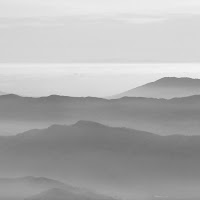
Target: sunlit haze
86,79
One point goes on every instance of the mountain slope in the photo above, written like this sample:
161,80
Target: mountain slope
62,194
43,188
165,117
26,186
167,88
110,160
2,93
37,182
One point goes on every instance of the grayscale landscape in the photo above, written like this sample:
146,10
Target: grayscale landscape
125,148
99,100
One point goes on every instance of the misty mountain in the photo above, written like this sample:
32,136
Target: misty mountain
53,194
106,159
165,117
167,88
62,194
15,188
2,93
57,194
37,182
30,187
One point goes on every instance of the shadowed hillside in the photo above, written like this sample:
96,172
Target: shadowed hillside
115,160
165,117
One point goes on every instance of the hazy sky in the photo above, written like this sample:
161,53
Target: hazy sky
95,31
86,79
116,31
18,8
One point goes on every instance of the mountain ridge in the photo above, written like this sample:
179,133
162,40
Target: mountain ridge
94,156
32,187
20,114
62,194
167,88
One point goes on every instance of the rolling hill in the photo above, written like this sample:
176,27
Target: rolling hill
30,187
115,161
165,117
19,188
63,194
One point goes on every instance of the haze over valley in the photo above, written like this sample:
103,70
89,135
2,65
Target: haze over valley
108,160
99,100
179,115
142,144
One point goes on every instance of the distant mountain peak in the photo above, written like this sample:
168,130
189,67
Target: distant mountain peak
63,194
85,123
166,88
40,179
173,77
178,80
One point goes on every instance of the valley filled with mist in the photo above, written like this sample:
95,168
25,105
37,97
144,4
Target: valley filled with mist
143,144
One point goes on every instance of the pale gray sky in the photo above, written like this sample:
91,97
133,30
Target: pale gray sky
101,31
128,38
65,31
16,8
86,79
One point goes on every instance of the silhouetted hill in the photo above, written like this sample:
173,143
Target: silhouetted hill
53,194
107,159
175,116
167,88
22,187
30,187
62,194
40,182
